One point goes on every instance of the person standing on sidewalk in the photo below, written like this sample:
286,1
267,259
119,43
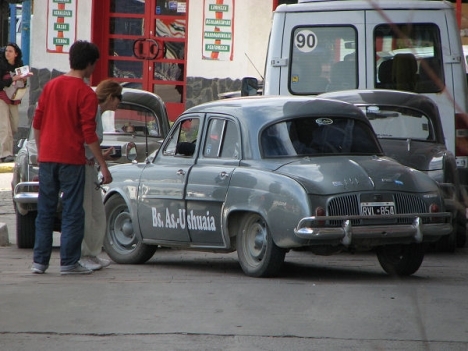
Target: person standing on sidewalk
109,94
9,115
64,120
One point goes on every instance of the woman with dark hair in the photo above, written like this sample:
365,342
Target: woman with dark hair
9,115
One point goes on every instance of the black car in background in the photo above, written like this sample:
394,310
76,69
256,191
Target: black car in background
409,129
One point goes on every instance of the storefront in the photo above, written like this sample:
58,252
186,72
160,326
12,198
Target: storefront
186,51
144,45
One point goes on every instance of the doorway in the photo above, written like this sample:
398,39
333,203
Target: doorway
143,45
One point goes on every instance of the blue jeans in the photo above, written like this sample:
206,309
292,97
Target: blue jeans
53,179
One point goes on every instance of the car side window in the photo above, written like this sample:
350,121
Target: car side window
183,138
231,142
213,138
222,140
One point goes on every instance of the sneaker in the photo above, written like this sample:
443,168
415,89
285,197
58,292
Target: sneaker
38,268
92,263
104,262
78,269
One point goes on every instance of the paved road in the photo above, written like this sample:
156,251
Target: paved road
184,300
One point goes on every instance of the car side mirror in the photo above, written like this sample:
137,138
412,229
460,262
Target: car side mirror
131,152
249,86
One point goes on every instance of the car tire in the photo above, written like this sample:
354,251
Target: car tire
448,243
400,260
258,254
121,242
461,232
25,229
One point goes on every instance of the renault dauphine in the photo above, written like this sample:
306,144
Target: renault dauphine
265,175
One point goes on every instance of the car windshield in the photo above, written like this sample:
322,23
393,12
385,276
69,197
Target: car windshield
319,136
399,123
131,119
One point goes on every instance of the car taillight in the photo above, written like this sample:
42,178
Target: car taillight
461,134
320,212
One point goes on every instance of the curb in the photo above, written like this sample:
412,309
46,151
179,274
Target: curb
7,167
4,241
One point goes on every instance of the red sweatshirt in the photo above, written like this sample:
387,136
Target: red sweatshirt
66,118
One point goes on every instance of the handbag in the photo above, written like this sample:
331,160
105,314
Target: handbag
16,90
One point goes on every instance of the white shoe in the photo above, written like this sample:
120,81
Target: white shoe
92,263
103,261
78,269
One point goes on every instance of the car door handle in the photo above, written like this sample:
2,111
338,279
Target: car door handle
224,175
181,172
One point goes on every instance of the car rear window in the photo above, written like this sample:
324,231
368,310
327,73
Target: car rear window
319,136
408,57
399,123
323,58
133,119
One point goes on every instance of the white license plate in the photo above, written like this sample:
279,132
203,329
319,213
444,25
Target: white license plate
377,208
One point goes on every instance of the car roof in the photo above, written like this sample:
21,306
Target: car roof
262,110
348,5
143,98
137,96
391,98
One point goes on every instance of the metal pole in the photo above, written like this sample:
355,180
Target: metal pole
12,31
26,30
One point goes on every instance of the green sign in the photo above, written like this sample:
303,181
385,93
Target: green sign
61,27
61,41
62,13
218,48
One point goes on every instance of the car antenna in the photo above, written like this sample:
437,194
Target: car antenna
254,65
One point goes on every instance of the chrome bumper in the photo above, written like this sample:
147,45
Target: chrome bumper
348,234
22,196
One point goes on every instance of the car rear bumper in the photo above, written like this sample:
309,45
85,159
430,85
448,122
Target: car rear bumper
376,234
26,193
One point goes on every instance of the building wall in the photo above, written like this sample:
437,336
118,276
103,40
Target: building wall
205,78
40,58
252,23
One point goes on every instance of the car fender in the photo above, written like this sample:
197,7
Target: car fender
126,193
279,199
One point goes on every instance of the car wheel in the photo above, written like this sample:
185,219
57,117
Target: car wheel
461,232
121,243
25,229
448,243
400,260
258,254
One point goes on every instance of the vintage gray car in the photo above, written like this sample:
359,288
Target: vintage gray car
263,175
410,131
134,130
